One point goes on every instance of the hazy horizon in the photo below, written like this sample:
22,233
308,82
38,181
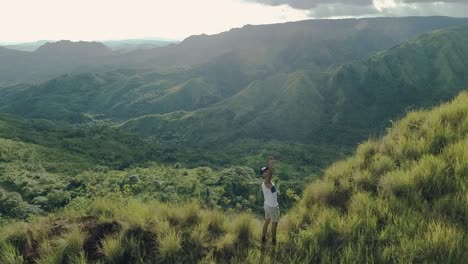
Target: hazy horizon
106,20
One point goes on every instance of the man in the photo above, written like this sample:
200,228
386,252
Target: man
272,213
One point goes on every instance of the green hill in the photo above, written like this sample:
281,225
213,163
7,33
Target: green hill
400,198
343,105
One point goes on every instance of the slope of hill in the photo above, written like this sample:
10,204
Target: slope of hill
342,105
401,198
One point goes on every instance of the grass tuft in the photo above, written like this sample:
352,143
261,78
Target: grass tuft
169,244
112,248
244,230
10,254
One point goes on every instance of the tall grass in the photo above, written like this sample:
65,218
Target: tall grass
9,254
169,245
112,249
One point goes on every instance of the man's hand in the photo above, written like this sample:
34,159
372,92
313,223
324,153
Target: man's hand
271,161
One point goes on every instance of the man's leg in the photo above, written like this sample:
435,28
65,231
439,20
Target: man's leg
274,226
265,229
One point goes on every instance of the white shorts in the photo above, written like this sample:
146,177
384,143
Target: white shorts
272,213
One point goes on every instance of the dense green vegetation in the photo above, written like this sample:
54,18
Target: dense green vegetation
343,105
401,198
45,166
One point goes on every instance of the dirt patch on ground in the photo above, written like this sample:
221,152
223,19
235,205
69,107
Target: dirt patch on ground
58,227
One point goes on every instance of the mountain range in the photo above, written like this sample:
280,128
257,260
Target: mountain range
220,100
260,50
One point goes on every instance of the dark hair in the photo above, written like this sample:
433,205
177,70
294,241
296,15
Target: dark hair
263,169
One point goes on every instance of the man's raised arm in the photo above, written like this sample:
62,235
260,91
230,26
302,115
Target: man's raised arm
271,163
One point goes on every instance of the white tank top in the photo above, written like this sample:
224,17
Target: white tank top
270,195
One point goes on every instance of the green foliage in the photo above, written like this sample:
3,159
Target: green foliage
400,198
60,164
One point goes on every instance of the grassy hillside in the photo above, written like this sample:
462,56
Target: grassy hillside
341,106
400,198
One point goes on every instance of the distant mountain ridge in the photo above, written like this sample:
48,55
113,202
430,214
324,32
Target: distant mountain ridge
50,60
70,48
263,49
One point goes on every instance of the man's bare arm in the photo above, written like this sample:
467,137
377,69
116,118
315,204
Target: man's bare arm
269,175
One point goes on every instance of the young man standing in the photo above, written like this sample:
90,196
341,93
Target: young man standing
272,213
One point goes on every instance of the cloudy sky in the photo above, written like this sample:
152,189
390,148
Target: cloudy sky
29,20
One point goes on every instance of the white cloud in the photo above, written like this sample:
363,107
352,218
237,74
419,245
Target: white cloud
27,20
384,4
360,8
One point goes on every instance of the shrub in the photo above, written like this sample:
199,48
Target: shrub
339,170
73,241
112,249
216,223
165,212
439,243
135,213
54,257
190,214
169,244
431,179
364,180
244,230
365,152
198,242
293,221
103,208
396,182
79,259
457,156
10,254
381,164
226,246
444,243
64,249
318,192
19,236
